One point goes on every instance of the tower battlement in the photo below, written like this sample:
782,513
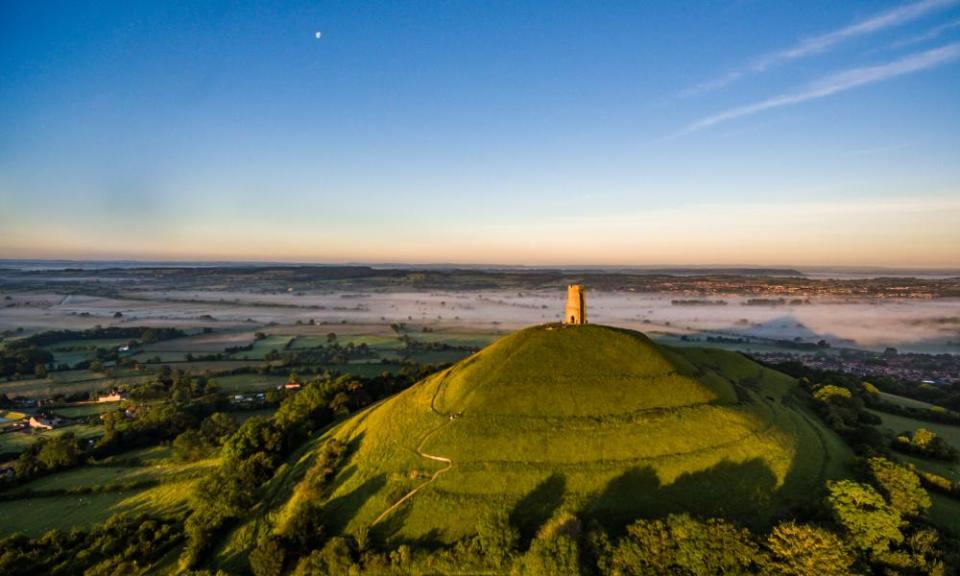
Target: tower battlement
576,311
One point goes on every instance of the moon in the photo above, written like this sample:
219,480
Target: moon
318,35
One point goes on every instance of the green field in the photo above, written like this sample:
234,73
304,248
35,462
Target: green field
12,442
86,410
33,514
598,420
71,352
896,424
464,339
946,510
249,382
263,347
908,402
70,382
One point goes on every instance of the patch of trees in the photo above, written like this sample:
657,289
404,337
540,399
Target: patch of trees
870,526
938,415
332,353
121,545
253,453
23,361
48,454
145,335
199,443
413,346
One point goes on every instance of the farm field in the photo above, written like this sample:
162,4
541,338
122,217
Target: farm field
896,424
85,410
14,442
236,383
908,402
946,510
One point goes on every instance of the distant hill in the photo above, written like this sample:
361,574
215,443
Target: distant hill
598,420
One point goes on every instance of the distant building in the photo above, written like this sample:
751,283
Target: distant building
113,396
45,421
576,310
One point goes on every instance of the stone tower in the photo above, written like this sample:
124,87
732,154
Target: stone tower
576,310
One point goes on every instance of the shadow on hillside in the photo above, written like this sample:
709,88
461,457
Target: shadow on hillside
347,469
534,509
340,511
743,491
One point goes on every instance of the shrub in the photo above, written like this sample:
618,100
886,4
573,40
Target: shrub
901,486
268,557
802,549
871,523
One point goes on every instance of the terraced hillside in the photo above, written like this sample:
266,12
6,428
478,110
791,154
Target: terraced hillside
598,420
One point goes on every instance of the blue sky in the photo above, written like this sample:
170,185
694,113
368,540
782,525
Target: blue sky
741,132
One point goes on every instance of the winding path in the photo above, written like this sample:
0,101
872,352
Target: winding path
422,454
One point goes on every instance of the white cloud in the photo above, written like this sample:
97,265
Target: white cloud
817,44
835,83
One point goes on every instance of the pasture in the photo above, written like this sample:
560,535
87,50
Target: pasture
15,442
92,493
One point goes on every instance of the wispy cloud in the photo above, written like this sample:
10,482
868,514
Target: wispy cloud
835,83
931,34
817,44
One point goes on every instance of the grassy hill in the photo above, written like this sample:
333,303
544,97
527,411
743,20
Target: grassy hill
592,419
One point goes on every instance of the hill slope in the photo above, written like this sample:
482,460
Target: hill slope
595,419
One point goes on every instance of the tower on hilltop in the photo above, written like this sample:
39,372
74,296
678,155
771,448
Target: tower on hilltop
576,310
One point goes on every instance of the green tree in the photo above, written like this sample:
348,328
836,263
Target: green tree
871,524
682,544
549,556
336,557
496,537
217,427
59,452
190,446
901,486
268,557
802,549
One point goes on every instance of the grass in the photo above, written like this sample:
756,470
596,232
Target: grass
896,424
34,515
71,382
466,339
263,347
944,508
945,512
73,351
908,402
249,382
87,409
162,470
596,419
15,442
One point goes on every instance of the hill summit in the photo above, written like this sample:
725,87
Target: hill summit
598,421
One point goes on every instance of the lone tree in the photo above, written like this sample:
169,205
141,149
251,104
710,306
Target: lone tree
801,549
